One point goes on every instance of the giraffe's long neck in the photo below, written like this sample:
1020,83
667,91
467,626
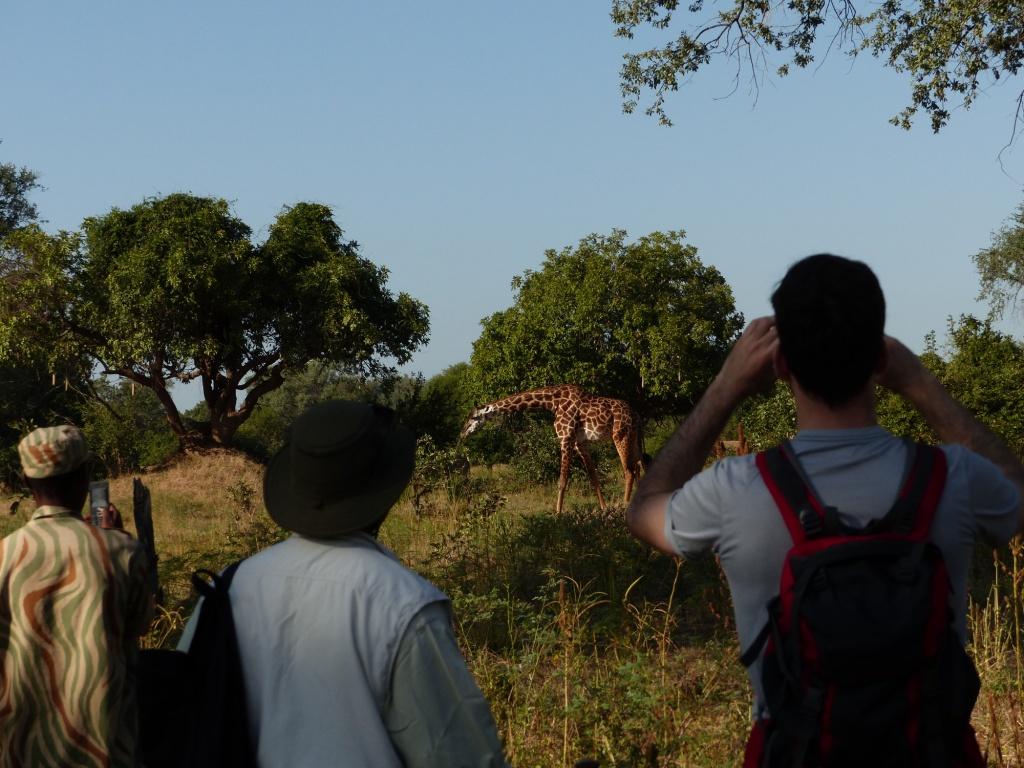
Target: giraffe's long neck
546,398
534,399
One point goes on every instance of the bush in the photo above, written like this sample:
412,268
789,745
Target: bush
445,469
507,563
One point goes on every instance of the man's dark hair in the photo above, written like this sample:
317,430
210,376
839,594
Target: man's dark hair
830,316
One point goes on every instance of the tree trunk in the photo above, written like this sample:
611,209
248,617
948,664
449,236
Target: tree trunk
222,428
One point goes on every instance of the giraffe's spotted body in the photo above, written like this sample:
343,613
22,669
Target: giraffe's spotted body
579,418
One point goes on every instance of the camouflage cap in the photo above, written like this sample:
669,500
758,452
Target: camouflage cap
52,451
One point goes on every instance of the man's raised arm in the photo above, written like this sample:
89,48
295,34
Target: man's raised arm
906,375
747,369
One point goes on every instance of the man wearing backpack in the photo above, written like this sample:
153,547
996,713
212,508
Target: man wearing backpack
888,683
348,657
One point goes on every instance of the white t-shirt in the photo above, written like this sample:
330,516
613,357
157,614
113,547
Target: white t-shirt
728,509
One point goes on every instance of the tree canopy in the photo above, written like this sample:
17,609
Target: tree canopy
174,290
1001,265
949,51
644,321
16,210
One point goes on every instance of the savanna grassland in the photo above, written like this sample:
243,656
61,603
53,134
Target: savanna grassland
585,642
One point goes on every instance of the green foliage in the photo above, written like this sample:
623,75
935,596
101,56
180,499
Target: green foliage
263,434
646,322
445,401
31,397
16,210
127,431
948,50
443,469
35,300
536,455
984,372
768,419
1001,265
657,432
36,388
509,562
428,408
173,289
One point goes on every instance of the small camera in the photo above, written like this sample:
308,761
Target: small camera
99,499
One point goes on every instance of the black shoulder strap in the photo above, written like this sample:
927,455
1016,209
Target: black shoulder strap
915,506
805,515
208,583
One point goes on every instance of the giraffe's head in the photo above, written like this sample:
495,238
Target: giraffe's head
475,420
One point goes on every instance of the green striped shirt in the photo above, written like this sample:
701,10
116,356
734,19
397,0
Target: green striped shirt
72,602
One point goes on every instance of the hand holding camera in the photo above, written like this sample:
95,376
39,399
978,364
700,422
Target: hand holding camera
102,513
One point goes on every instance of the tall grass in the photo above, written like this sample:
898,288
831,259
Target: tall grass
586,643
996,625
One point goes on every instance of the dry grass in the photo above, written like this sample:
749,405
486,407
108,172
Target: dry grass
580,649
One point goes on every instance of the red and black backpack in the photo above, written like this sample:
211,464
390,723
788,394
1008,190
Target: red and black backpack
862,666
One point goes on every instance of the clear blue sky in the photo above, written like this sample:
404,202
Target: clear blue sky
457,141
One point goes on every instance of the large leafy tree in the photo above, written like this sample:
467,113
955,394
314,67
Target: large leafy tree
174,290
644,321
30,391
948,50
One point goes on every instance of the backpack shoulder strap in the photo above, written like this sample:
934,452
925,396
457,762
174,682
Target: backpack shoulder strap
914,509
208,583
805,515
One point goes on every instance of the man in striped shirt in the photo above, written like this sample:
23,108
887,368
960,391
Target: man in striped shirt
73,601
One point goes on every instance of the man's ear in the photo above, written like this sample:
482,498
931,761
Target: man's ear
782,371
883,361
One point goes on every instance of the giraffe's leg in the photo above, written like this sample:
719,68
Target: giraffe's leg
588,464
563,473
631,460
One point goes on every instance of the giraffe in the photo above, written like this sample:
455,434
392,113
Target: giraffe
738,446
579,417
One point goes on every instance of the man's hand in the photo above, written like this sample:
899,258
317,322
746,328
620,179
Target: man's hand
903,371
110,517
749,368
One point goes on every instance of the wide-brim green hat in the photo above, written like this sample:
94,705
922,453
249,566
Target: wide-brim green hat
344,466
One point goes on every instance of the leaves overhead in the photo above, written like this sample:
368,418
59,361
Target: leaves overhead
16,210
949,50
644,321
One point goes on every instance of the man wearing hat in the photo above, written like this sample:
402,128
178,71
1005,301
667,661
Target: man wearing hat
73,600
348,657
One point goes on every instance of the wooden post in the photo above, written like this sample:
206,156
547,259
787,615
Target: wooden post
142,511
